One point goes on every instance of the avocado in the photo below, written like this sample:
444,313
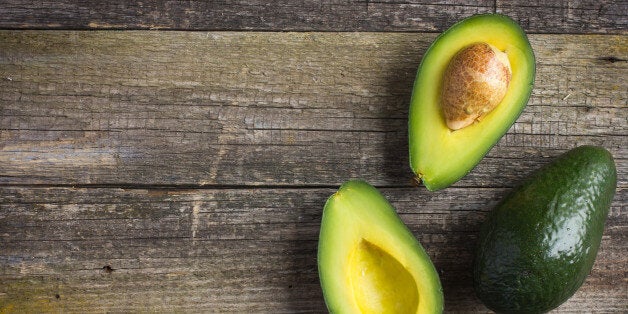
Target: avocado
538,245
368,260
472,84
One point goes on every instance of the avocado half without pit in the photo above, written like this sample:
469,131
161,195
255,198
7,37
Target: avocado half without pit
368,260
473,83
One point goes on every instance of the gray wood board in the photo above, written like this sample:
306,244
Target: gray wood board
363,15
271,109
202,161
233,250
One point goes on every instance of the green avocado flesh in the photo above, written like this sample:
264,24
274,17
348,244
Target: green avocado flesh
438,155
537,247
368,260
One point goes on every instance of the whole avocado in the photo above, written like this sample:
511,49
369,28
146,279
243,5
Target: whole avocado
538,245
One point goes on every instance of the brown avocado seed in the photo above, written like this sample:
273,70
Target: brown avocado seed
475,82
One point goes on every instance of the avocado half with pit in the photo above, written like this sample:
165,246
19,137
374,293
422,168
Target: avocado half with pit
368,260
473,83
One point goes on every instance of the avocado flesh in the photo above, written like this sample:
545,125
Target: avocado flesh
438,155
537,247
368,260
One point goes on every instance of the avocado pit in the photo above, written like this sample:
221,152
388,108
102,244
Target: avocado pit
475,82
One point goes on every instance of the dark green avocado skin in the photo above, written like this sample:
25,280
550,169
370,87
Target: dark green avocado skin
538,245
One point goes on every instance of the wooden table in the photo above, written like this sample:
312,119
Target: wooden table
182,164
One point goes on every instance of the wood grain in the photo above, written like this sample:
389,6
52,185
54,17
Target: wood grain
271,109
233,250
568,16
178,171
187,171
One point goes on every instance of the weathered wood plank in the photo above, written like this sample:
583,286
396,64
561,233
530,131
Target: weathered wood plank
566,16
278,109
233,250
281,15
569,16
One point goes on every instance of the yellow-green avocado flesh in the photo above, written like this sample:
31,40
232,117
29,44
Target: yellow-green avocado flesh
438,155
368,260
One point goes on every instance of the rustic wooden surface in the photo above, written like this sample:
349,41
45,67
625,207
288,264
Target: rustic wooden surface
245,109
538,16
187,171
233,249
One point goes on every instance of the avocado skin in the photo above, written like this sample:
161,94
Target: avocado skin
537,247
